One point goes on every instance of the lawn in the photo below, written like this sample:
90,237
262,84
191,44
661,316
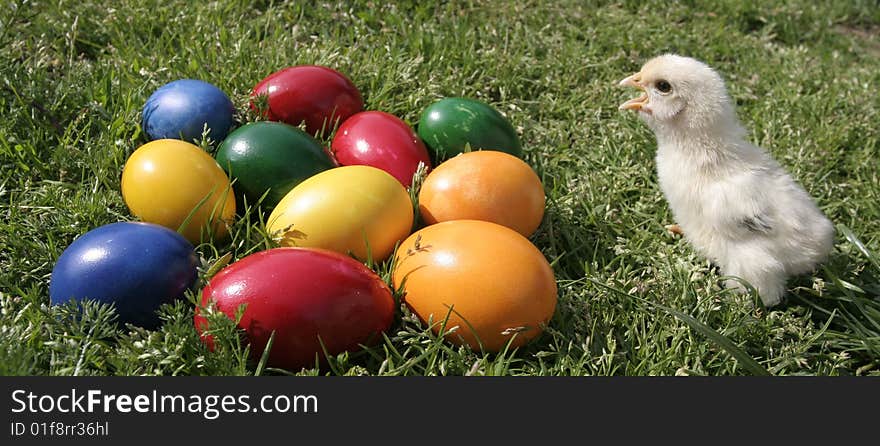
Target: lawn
633,298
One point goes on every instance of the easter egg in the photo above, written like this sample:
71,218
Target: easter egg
270,157
178,185
449,125
378,139
319,96
360,210
485,185
308,297
491,282
135,266
181,109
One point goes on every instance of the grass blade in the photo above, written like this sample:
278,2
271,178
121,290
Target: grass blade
722,341
264,358
851,237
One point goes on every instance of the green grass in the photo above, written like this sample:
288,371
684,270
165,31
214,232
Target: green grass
633,300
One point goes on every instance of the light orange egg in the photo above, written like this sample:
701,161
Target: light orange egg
490,281
171,182
486,185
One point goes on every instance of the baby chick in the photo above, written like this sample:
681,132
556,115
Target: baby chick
734,203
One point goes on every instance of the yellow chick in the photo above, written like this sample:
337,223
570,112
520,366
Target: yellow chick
734,203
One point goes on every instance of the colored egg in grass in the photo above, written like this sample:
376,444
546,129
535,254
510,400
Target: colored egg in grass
319,96
449,125
485,185
360,210
176,184
181,109
308,297
378,139
491,282
137,267
270,158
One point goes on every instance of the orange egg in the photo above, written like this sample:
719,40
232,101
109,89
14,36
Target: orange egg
490,281
486,185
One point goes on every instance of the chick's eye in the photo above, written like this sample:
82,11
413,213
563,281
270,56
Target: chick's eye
663,86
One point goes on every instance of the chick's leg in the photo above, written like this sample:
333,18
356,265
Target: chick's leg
762,271
674,229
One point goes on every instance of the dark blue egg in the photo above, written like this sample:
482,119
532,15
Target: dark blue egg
180,110
136,266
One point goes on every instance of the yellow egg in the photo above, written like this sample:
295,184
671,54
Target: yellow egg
171,182
345,209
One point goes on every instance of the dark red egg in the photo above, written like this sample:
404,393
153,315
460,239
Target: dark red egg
319,96
307,296
381,140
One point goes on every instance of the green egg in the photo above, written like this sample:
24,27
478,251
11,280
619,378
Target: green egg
270,156
451,124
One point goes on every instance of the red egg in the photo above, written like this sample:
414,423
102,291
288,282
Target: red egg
380,140
307,297
319,96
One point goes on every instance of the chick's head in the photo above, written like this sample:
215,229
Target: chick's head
679,92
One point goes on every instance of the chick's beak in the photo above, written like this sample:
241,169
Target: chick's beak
638,103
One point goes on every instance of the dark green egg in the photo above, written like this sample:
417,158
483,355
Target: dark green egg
270,156
449,125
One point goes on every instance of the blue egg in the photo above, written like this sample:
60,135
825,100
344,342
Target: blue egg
136,266
180,110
